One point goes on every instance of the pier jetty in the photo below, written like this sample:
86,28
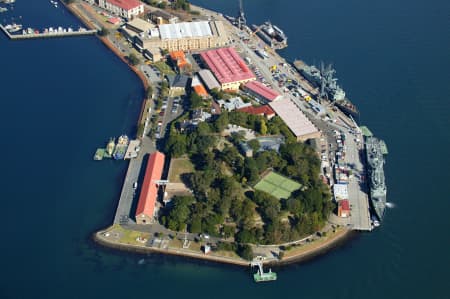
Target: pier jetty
53,34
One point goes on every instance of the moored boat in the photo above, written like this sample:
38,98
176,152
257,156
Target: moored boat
121,147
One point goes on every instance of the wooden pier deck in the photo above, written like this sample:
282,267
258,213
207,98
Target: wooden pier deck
46,34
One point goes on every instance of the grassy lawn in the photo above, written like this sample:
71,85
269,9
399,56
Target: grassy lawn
178,167
130,236
164,68
277,185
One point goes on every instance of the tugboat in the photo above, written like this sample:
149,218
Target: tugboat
260,275
121,147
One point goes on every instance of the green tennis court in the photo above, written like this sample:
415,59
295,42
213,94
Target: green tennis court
277,185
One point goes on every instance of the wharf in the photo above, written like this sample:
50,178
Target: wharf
133,149
46,35
128,193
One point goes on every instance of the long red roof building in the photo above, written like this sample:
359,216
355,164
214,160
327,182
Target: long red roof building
262,91
264,110
149,192
228,67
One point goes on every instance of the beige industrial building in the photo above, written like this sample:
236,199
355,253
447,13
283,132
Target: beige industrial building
139,26
160,17
184,36
302,128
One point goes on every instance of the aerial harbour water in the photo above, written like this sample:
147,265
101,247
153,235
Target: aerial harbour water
72,101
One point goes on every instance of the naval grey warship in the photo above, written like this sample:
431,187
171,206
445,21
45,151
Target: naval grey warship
375,151
324,79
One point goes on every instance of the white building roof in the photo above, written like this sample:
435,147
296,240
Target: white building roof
185,30
233,104
340,191
195,81
294,118
209,79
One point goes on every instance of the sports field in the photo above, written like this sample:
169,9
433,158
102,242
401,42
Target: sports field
277,185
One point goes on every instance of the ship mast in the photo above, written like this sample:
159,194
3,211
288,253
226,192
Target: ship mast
241,21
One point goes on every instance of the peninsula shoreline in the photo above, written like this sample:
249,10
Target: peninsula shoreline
338,239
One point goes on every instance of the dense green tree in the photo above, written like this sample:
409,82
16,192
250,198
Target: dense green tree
262,127
203,129
176,145
245,251
221,122
195,101
181,4
133,59
245,236
228,231
179,214
251,170
196,225
254,145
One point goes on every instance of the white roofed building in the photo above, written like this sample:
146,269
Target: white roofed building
186,36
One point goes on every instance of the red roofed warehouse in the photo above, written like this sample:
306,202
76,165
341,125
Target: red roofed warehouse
264,110
262,92
123,8
228,67
146,206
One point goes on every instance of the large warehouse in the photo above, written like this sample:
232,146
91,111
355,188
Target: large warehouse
302,128
149,192
228,67
185,36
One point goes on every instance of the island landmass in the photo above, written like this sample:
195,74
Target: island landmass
242,154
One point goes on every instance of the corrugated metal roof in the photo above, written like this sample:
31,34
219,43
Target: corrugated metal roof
261,110
209,79
294,118
149,190
227,65
185,30
262,90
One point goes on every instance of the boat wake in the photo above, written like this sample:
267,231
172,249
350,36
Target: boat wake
390,205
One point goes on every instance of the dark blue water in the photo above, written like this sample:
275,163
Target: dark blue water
61,98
